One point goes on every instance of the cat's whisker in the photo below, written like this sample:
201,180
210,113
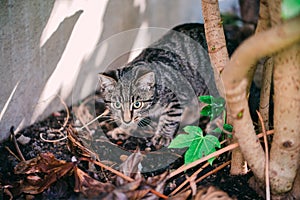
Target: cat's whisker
145,122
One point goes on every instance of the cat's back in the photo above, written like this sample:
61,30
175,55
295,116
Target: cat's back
184,48
194,31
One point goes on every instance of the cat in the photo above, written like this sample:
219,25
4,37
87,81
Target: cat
161,84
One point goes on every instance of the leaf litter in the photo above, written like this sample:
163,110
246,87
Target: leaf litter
84,166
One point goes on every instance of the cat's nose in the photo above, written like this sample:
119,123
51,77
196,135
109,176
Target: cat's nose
127,117
126,121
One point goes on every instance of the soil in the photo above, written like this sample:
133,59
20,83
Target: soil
109,152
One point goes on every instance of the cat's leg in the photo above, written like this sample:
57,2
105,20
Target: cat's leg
168,124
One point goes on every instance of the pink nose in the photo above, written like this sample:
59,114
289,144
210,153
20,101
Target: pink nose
127,116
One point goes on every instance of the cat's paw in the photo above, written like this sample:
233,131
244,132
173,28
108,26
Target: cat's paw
161,140
118,134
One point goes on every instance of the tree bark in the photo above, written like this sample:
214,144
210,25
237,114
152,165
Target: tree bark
215,38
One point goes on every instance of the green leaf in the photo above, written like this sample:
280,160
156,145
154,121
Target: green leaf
211,160
192,153
200,147
181,141
194,130
211,142
206,99
206,111
217,130
185,140
219,101
228,127
290,8
216,111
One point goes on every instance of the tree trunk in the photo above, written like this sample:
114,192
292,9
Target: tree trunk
285,151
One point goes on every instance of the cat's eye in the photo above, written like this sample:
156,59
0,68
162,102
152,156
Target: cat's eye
137,104
117,105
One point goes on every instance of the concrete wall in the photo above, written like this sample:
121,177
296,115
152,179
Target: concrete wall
57,47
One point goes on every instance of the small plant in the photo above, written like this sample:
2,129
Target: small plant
199,145
215,107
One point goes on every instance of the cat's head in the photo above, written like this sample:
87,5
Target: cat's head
129,95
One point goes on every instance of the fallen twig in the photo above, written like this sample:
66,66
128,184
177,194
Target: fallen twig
12,134
12,153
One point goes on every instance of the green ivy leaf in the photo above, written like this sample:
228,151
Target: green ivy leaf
194,130
206,99
191,154
217,130
200,147
216,112
214,108
206,111
219,101
290,8
185,140
181,141
228,127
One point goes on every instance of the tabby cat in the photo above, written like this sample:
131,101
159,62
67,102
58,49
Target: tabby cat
161,84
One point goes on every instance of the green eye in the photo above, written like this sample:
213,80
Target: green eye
117,105
137,104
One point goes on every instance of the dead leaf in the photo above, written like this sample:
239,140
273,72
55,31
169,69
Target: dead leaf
49,169
133,190
131,167
88,186
45,162
156,180
77,147
138,194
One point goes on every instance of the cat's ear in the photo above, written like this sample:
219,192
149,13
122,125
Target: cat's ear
107,83
146,81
